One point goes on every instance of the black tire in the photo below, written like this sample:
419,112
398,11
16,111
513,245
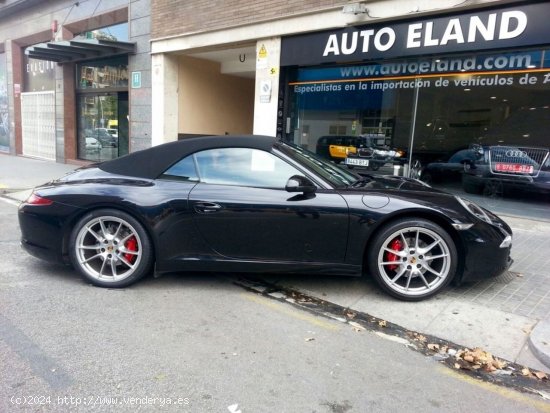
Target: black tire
411,274
110,248
493,189
426,177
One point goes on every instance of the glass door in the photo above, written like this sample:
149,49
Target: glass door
102,126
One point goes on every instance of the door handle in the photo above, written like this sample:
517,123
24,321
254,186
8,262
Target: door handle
207,207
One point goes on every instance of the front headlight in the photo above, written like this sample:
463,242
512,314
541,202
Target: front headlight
474,209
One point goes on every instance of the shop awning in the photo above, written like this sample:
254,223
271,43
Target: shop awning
66,51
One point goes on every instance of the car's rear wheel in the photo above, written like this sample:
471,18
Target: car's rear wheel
110,248
412,259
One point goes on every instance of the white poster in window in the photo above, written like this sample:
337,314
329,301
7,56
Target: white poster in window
265,91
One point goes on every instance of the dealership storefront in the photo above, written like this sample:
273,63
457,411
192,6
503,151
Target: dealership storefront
463,98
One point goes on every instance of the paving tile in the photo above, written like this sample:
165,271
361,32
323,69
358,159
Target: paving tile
504,334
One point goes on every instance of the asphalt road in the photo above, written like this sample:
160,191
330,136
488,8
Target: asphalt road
200,343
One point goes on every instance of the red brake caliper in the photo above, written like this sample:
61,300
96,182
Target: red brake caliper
130,245
396,245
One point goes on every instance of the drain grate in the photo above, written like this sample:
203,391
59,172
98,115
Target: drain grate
506,277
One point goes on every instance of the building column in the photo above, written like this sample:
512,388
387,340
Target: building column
14,72
268,56
164,82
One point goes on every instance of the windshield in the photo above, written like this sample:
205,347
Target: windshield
339,177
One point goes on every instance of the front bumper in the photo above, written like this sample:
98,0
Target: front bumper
488,251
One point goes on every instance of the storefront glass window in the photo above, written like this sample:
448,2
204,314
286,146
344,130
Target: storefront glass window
337,109
103,126
102,95
475,123
486,135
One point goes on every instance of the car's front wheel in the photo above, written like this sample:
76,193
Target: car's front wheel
427,177
110,248
416,169
412,259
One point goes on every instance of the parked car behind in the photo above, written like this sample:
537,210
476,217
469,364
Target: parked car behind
452,169
102,134
112,132
374,151
371,151
336,147
92,145
508,168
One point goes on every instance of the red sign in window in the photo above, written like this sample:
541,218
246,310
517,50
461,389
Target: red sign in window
514,168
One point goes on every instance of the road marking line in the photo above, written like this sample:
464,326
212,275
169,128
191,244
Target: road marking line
501,391
295,313
44,366
372,324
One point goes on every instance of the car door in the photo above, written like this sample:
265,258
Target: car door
242,210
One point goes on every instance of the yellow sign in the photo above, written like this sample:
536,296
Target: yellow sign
273,71
262,54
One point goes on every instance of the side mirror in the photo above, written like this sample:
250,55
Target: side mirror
298,183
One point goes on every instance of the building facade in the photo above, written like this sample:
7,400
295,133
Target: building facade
75,78
452,92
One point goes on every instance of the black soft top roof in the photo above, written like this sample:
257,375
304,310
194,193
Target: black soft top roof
150,163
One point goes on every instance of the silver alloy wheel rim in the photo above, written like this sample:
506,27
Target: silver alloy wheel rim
102,249
416,169
422,265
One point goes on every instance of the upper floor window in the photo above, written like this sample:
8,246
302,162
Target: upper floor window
104,73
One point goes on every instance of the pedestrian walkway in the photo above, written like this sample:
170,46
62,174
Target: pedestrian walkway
18,173
508,315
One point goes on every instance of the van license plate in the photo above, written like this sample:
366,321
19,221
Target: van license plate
357,162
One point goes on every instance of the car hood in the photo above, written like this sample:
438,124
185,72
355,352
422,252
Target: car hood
390,182
400,193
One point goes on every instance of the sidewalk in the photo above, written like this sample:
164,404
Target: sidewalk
508,316
20,174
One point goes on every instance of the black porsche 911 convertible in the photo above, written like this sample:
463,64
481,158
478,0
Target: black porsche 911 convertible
258,204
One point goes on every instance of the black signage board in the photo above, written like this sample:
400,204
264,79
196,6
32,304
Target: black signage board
510,27
38,75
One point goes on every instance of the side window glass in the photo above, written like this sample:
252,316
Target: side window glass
243,167
183,170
